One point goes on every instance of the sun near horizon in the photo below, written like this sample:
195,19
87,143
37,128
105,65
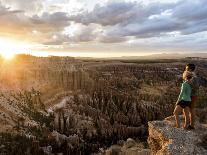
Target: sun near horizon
9,48
8,55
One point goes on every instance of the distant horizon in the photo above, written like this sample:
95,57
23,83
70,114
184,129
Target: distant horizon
155,55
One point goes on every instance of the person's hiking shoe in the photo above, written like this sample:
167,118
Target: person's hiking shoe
190,127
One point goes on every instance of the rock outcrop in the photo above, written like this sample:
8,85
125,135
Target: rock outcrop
165,139
130,147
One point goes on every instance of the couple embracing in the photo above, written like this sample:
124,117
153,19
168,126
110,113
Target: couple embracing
188,97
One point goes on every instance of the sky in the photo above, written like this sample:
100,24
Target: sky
102,28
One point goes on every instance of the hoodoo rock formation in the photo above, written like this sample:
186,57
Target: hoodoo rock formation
64,105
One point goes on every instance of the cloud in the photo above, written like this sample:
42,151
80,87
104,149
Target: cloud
29,6
50,21
192,14
152,20
110,23
120,13
16,24
121,19
12,21
111,14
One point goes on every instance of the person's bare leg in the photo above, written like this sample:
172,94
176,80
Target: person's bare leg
192,111
186,111
176,113
192,116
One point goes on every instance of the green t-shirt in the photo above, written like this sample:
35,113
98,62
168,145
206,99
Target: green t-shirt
185,93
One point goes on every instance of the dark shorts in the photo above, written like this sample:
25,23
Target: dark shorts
184,104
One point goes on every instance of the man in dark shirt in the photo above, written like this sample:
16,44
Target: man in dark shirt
194,96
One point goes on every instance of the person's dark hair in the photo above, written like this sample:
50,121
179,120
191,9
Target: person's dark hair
189,76
191,66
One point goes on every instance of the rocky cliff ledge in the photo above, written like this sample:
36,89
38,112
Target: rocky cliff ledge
164,139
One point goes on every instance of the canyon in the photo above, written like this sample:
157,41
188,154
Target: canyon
85,106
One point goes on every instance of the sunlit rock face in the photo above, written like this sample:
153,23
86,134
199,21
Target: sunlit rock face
19,110
165,139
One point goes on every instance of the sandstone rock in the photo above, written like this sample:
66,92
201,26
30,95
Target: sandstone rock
136,151
114,150
131,147
120,142
130,143
164,139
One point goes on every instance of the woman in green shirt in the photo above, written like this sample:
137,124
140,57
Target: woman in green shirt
184,102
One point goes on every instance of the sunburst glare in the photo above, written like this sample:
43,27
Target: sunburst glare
9,48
